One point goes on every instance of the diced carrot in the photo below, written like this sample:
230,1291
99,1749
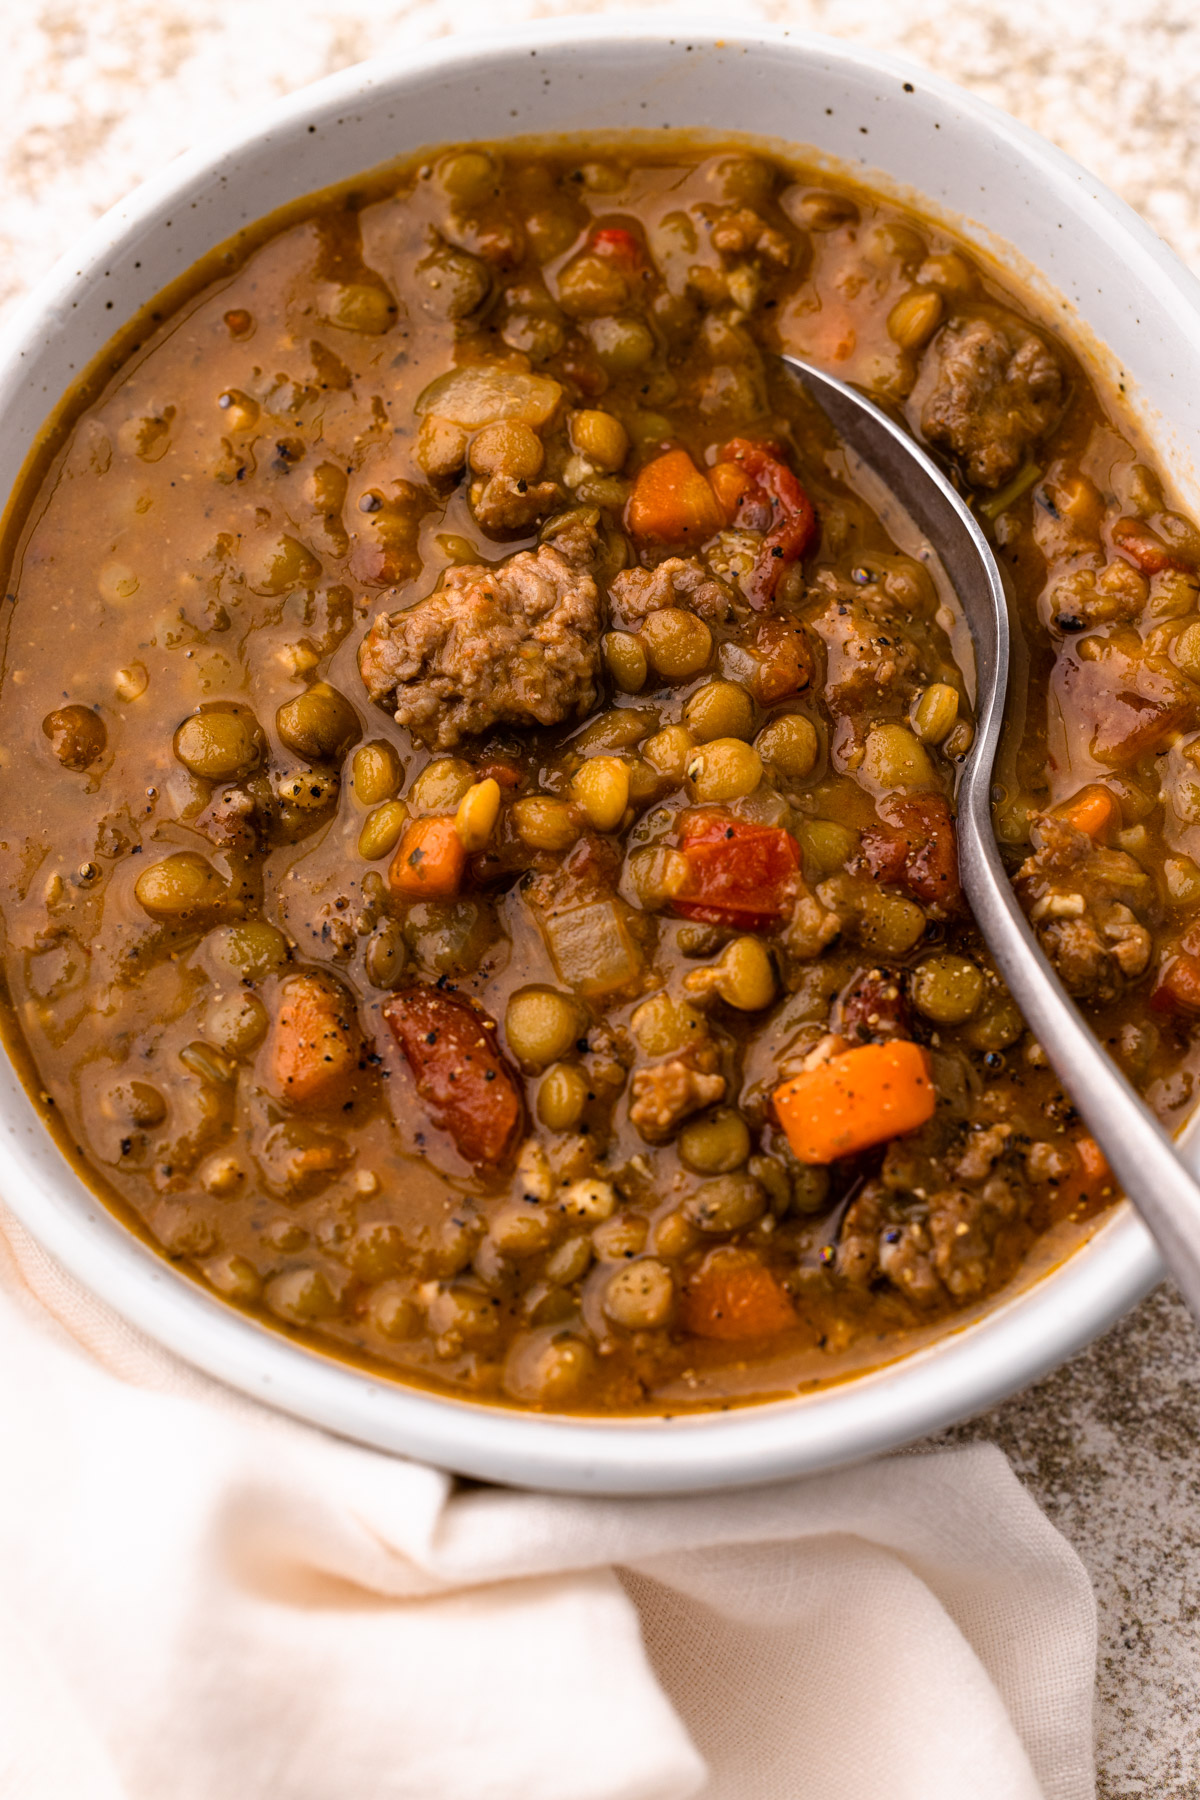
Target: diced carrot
313,1050
735,1296
729,482
860,1098
1092,810
672,503
1090,1183
430,861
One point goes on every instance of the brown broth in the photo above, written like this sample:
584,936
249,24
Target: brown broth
216,522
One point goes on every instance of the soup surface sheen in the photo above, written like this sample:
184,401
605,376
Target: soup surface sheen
478,867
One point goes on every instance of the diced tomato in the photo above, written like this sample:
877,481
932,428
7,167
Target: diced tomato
795,522
739,874
1178,986
785,660
1144,548
619,246
502,769
471,1090
916,848
734,1296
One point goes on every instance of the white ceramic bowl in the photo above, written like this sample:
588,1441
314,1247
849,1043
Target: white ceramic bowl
922,139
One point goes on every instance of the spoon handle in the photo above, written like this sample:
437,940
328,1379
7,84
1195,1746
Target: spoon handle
1148,1166
1146,1162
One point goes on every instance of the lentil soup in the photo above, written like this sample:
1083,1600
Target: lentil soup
479,876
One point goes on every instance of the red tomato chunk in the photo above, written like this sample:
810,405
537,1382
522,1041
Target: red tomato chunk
794,527
741,874
916,848
471,1091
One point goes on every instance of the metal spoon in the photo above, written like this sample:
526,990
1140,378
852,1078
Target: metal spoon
1140,1153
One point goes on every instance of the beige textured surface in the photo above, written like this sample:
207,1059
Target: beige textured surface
95,97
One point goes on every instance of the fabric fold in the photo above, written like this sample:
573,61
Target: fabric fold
200,1597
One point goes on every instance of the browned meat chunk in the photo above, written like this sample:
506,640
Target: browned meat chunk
997,389
1093,954
984,1149
812,926
679,581
965,1228
515,644
669,1092
877,1241
869,656
905,1259
1080,897
872,1008
504,505
1064,855
856,1259
951,1247
231,820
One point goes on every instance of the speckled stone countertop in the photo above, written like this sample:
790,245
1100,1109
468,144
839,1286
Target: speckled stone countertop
94,97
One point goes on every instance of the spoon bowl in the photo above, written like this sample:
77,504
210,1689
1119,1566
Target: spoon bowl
1144,1159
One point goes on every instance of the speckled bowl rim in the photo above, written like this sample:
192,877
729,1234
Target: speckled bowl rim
968,1369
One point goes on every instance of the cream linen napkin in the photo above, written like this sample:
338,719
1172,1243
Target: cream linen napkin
202,1600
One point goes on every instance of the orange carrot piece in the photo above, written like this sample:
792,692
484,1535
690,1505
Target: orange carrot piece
1092,810
1090,1185
860,1098
734,1296
430,861
313,1049
672,503
729,481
